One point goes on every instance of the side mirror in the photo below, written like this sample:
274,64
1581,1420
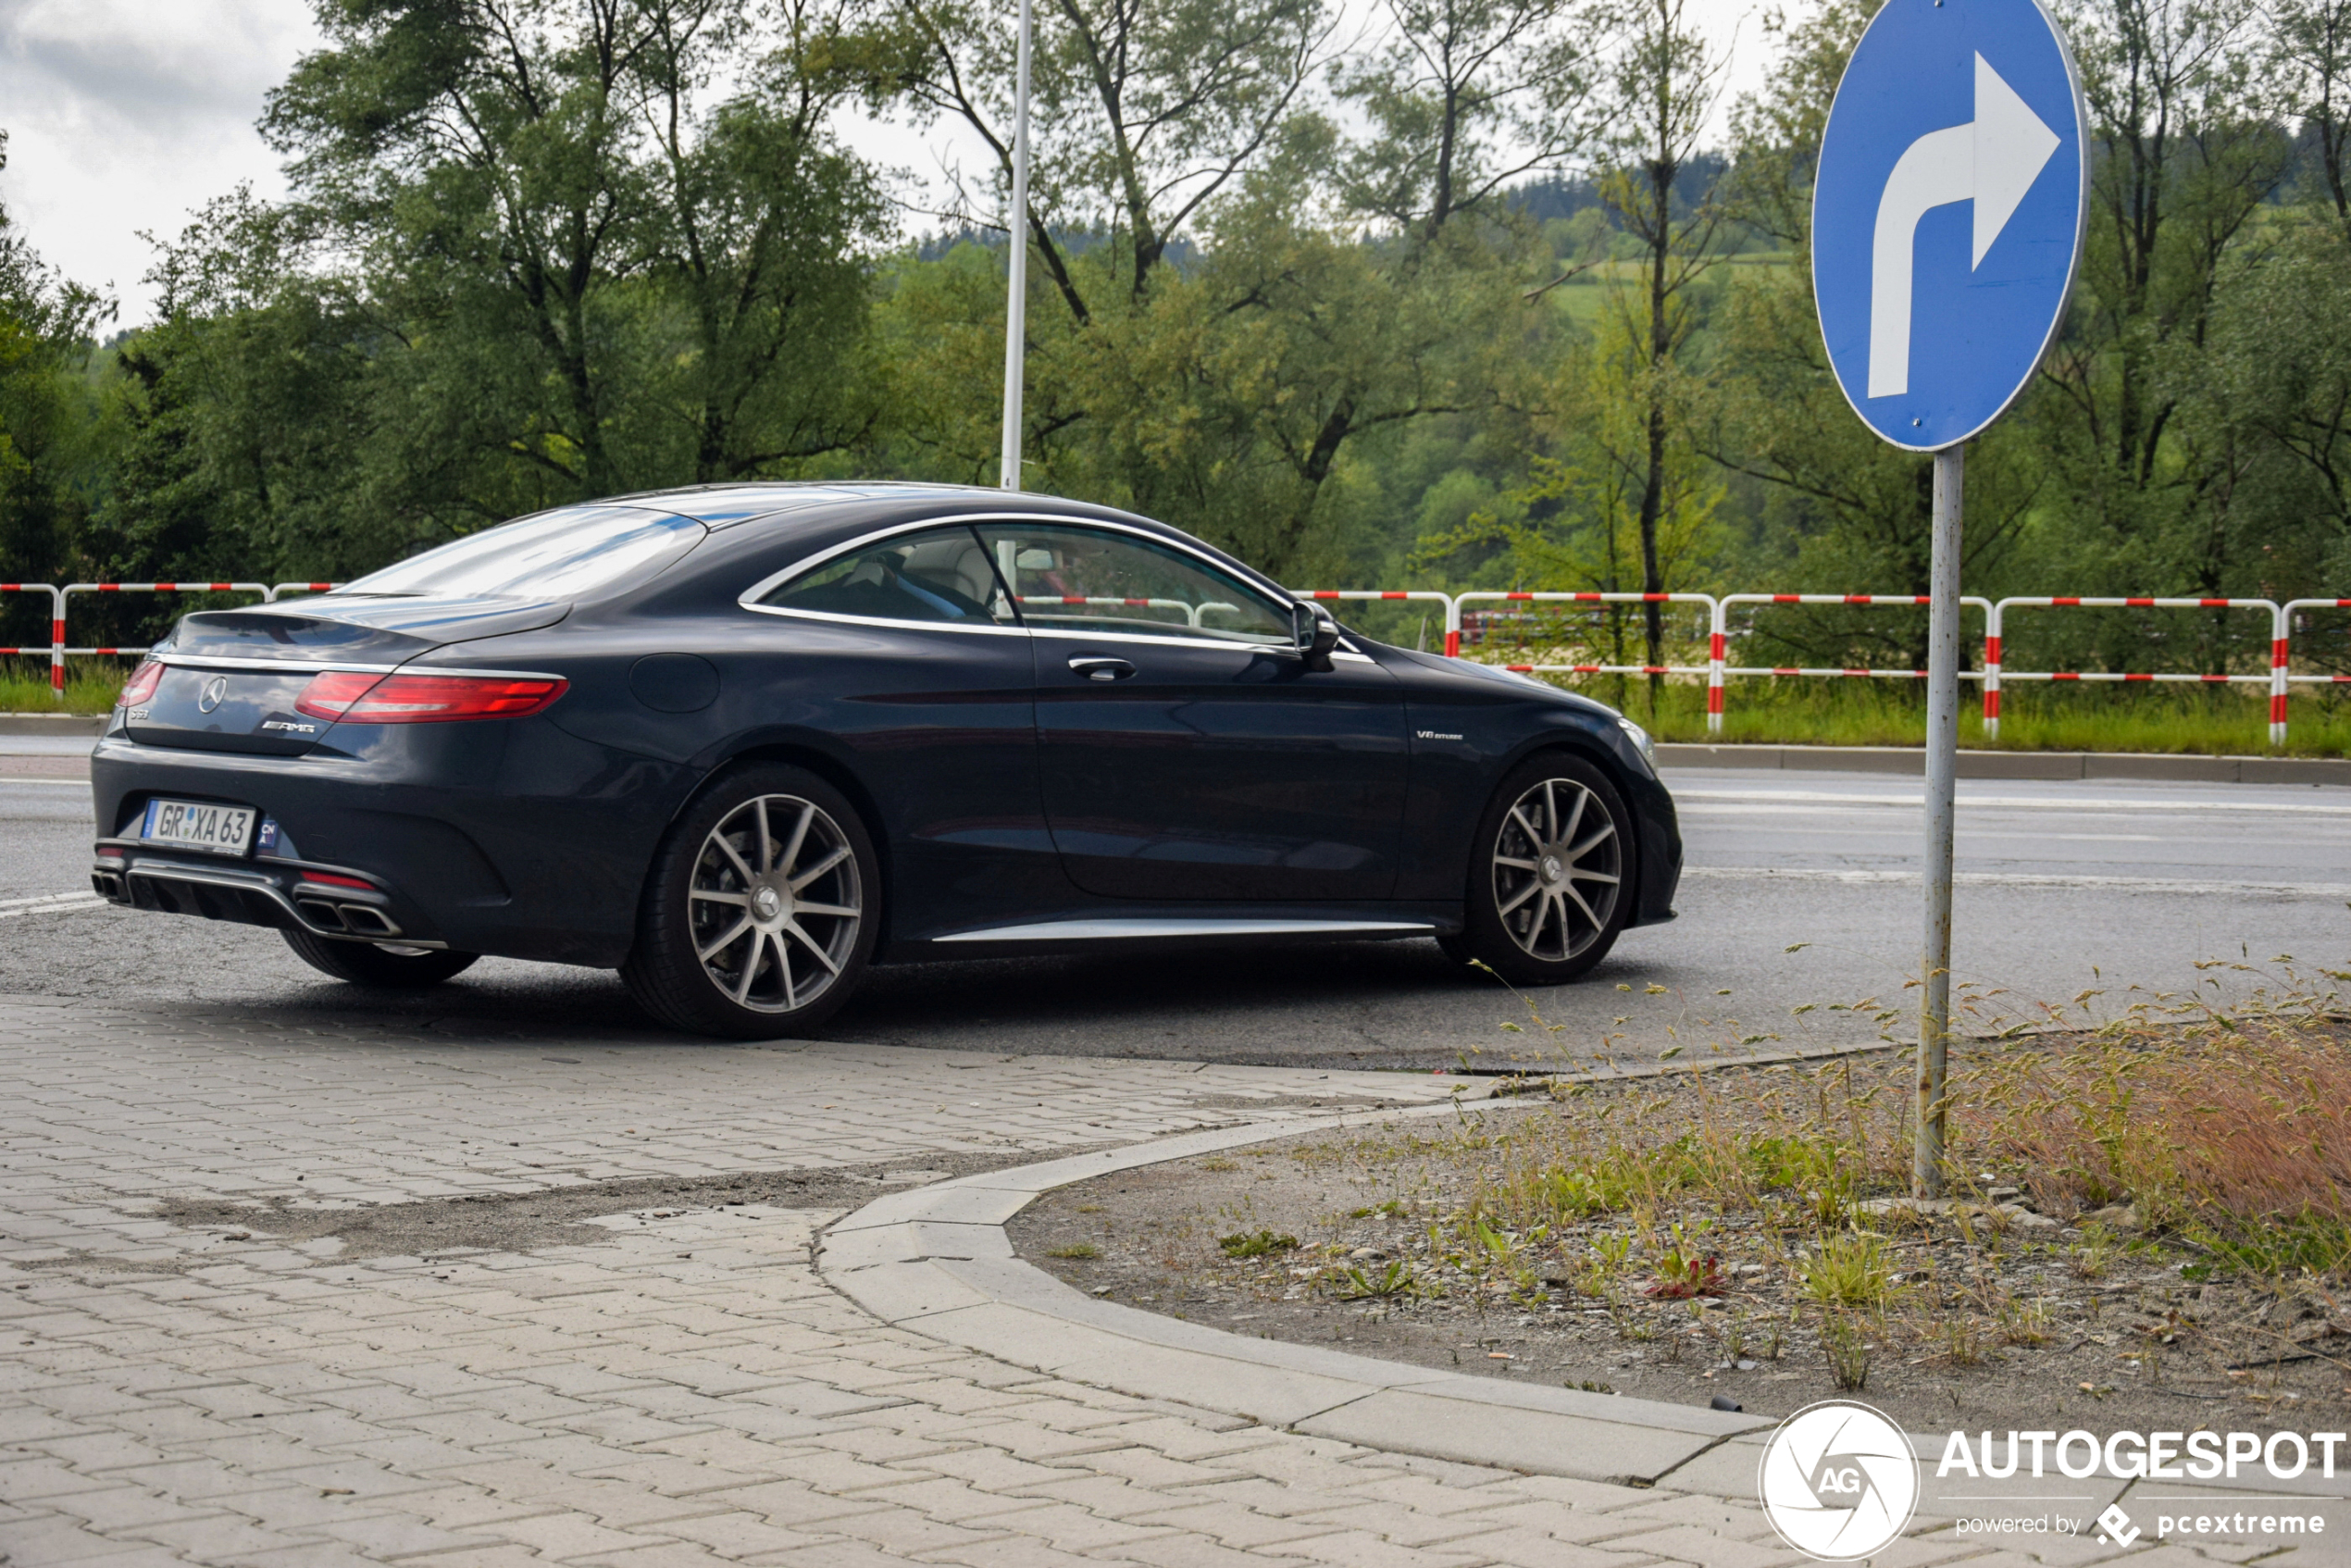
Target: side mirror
1315,633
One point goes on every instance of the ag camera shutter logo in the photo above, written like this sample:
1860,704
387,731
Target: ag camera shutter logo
1838,1481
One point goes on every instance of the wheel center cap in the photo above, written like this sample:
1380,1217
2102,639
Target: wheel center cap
767,904
1552,869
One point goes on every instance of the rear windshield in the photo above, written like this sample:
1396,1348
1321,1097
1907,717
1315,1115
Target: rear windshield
566,553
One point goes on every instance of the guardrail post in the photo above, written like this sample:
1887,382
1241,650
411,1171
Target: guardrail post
2281,633
1717,635
1992,672
2282,675
58,642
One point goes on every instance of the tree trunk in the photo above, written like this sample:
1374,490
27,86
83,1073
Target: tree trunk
1661,174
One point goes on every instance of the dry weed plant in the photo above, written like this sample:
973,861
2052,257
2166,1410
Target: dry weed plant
2222,1139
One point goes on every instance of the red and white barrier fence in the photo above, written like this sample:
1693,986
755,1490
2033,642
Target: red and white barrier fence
2287,679
1717,669
2280,633
57,649
1713,614
57,633
1721,639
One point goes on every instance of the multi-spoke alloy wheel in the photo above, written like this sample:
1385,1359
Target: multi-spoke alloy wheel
1556,870
776,904
1552,881
757,917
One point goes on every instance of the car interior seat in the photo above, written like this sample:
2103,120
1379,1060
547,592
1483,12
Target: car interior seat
958,565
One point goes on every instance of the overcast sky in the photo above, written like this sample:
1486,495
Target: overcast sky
128,115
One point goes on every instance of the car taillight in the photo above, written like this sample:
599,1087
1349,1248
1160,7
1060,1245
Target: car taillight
349,697
142,684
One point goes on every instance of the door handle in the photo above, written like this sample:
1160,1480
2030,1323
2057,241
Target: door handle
1094,666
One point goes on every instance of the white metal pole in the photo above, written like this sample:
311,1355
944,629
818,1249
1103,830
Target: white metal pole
1942,769
1016,293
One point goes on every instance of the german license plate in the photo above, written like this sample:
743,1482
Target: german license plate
198,825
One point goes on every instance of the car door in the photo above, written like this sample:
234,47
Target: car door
905,654
1185,749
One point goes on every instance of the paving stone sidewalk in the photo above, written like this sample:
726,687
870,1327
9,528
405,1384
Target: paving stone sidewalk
688,1391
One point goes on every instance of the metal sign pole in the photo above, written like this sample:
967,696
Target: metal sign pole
1945,104
1942,768
1016,294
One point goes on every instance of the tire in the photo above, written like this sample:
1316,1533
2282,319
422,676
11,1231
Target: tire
726,945
1550,886
384,968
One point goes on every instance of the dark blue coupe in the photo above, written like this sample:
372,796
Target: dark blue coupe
741,741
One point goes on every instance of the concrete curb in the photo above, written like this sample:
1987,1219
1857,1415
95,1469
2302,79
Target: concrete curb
936,1260
52,724
1911,761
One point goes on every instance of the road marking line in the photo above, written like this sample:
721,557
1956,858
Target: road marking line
2018,879
2007,803
48,904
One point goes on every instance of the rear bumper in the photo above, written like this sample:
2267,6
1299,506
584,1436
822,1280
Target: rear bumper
512,839
277,893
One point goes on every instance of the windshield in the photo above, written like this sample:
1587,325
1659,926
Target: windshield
564,554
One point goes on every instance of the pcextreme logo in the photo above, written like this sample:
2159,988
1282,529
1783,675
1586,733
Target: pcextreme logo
1838,1481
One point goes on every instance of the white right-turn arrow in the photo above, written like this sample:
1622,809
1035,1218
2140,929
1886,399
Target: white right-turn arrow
1992,161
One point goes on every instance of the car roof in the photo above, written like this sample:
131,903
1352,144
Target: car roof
816,508
724,506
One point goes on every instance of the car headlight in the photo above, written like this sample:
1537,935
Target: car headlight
1640,739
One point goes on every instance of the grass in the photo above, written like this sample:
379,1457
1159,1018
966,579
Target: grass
2192,721
2231,1133
2208,1147
1076,1250
90,686
1262,1243
1848,1270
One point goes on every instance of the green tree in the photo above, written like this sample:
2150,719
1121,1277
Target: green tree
539,250
1664,82
1142,115
52,426
2184,154
1463,99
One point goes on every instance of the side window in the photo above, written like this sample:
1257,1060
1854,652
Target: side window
936,575
1078,579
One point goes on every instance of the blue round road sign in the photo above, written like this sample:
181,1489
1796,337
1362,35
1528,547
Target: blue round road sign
1947,213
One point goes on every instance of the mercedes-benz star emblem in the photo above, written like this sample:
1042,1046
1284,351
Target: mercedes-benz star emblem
214,690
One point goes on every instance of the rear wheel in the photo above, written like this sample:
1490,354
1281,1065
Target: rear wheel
379,967
758,914
1550,873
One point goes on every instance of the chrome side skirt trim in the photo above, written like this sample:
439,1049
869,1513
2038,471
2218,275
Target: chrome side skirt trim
1153,925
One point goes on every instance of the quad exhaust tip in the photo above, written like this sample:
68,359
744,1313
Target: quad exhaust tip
242,897
345,920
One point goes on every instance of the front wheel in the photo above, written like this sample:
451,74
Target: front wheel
759,912
1550,873
387,967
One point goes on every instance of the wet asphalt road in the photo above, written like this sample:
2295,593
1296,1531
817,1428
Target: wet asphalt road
1801,893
